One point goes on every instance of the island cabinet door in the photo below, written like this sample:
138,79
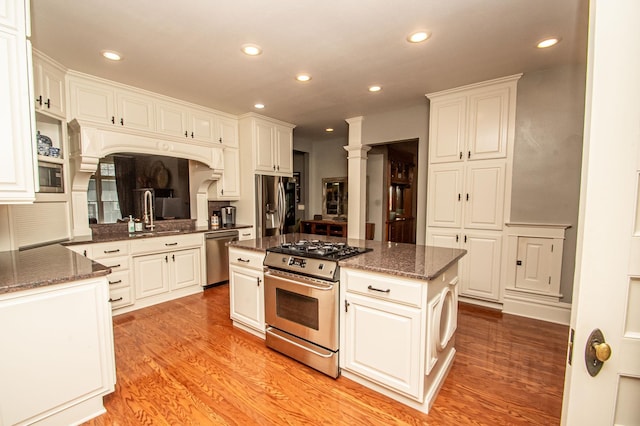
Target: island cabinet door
246,293
381,342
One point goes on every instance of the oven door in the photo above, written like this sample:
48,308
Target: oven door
302,306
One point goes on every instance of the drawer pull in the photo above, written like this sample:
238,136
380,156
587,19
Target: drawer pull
170,244
377,289
247,234
111,251
115,282
243,260
114,266
116,300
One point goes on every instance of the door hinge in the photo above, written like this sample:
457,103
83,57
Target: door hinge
571,336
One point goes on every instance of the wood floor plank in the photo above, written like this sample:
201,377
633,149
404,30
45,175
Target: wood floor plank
183,363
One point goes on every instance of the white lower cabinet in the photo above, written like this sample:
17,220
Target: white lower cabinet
57,353
246,290
383,343
147,271
480,268
162,272
396,334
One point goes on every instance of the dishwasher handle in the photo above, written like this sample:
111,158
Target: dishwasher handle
222,235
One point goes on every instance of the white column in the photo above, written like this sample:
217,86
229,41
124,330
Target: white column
357,156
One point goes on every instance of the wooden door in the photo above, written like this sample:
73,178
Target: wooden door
92,101
607,280
488,124
480,275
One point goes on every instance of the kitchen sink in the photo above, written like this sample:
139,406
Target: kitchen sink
154,233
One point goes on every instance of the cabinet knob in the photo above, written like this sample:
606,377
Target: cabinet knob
191,135
122,121
39,100
186,134
113,120
220,140
469,154
48,103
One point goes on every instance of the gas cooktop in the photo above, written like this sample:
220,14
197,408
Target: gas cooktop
319,249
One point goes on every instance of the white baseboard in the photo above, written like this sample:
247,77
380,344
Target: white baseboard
480,302
556,312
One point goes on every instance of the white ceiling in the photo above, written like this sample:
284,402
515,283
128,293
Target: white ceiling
191,49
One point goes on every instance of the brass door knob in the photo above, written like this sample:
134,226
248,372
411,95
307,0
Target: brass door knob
603,351
597,351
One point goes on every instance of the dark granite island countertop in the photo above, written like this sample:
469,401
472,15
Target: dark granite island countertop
399,259
43,266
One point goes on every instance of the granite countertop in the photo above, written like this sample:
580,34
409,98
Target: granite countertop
121,233
44,266
406,260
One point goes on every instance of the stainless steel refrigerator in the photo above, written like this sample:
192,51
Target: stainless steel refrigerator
275,205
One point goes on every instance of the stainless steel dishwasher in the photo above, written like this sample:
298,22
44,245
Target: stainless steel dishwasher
218,255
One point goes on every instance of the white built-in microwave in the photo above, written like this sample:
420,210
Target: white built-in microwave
50,177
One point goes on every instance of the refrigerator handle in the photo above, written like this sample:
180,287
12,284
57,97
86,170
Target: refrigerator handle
281,206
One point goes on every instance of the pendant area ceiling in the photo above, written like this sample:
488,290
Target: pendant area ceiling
191,50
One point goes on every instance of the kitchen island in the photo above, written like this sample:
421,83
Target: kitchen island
398,312
57,337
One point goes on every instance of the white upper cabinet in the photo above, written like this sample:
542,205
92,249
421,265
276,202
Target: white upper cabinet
474,122
271,143
200,125
134,110
447,130
17,162
110,104
49,87
484,195
227,131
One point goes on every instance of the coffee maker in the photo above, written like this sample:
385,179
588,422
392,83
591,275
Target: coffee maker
228,216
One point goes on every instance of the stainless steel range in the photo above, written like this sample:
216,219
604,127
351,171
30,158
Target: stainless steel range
301,301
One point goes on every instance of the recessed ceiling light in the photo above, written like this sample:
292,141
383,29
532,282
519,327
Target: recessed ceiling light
259,106
548,42
328,129
418,36
111,55
251,49
303,77
375,88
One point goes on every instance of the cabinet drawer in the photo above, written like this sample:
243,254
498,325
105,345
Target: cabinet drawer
104,250
120,297
162,244
246,258
245,234
385,287
116,264
119,279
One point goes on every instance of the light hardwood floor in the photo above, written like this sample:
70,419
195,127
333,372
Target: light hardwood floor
183,363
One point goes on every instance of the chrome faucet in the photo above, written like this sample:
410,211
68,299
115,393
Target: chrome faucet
148,210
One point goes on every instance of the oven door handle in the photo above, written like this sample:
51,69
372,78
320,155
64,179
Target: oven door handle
299,345
329,287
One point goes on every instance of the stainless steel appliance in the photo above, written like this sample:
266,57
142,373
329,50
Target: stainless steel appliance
275,205
228,216
301,301
50,177
218,255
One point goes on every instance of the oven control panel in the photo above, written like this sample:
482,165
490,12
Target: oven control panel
309,266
